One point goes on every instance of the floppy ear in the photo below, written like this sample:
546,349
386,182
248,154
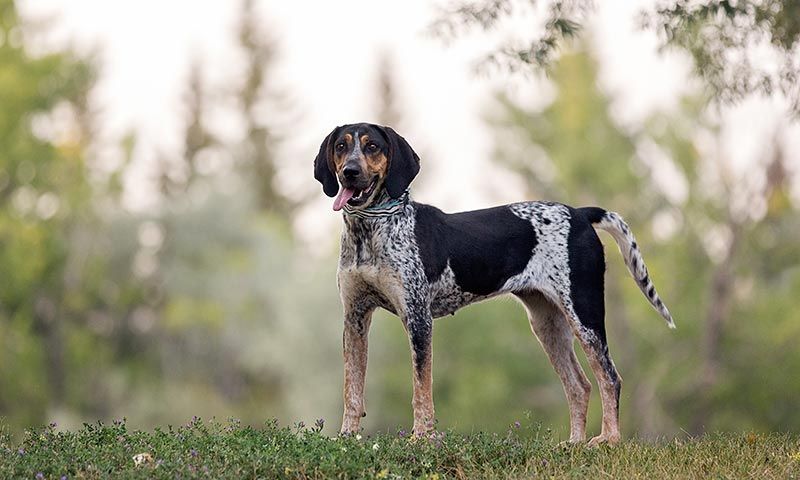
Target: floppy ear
322,169
403,163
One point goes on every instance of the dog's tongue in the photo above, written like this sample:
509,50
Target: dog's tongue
344,195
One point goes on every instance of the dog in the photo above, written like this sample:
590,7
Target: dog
420,263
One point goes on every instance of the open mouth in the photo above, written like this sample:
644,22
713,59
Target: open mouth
353,196
361,196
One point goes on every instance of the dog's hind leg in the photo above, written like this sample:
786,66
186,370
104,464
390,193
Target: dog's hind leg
579,289
354,341
554,333
585,309
608,380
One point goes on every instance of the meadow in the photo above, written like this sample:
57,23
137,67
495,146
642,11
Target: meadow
212,449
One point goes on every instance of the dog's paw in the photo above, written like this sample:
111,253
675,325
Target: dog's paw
423,433
430,435
349,431
572,442
601,439
424,429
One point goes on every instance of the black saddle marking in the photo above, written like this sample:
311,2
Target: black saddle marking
484,247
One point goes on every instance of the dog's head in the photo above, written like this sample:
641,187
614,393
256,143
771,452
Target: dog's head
364,159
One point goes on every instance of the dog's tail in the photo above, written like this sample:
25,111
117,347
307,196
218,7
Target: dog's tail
614,224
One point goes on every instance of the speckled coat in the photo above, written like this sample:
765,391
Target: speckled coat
421,263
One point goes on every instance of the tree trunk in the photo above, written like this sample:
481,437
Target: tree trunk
49,328
719,307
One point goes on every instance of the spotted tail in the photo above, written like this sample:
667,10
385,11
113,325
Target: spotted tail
614,224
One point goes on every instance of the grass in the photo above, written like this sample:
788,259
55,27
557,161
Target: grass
230,450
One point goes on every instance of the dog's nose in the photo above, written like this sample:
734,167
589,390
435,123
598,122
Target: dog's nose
350,171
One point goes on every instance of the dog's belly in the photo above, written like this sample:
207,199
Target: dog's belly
448,304
447,296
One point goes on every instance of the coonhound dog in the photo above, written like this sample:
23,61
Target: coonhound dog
420,263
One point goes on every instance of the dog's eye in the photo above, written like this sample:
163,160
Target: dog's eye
339,147
372,148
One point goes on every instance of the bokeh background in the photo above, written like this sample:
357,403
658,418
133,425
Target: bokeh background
165,251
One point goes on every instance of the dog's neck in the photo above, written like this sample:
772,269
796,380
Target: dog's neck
383,206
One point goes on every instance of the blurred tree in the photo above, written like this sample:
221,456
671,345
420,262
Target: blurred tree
745,225
727,39
207,255
388,110
176,177
113,313
44,194
260,108
562,21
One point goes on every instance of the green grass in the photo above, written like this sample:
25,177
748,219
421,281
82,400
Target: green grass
213,450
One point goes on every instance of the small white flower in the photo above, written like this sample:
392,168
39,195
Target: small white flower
142,459
375,447
358,436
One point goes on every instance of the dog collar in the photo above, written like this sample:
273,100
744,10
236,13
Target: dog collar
384,207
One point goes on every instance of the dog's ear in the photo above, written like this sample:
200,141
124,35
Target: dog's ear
403,163
322,165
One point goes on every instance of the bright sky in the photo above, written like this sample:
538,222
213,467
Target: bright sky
329,51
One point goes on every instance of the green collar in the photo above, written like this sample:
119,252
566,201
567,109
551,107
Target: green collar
385,206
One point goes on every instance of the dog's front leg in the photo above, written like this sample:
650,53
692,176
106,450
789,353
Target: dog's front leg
419,325
354,340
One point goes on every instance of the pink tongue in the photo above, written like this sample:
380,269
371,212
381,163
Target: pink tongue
344,195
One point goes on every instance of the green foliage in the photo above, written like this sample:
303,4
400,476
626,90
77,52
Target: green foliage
722,37
562,22
207,303
44,193
210,449
725,38
103,311
563,166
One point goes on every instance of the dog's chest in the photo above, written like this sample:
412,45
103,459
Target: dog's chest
377,262
371,284
380,243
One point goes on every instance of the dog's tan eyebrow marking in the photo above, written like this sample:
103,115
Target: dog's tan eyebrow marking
348,138
364,139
